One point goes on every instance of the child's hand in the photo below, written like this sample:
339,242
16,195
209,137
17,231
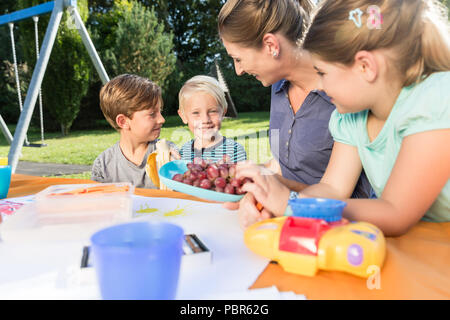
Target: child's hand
232,205
266,189
174,154
249,213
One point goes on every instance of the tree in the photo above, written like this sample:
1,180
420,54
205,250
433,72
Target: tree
197,44
140,45
132,40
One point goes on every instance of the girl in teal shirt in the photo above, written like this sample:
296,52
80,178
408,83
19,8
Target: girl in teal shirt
386,66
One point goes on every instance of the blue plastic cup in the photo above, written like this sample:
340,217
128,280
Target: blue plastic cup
138,260
329,210
5,180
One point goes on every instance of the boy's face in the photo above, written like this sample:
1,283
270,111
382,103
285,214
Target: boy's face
145,125
202,114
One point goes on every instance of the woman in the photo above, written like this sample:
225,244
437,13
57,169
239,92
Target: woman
261,37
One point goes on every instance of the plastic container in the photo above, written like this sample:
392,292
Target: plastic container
80,203
138,261
5,180
329,210
167,171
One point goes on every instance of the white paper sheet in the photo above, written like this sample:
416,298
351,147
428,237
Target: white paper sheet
10,205
28,253
234,267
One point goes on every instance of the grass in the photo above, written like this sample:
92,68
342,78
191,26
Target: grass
82,147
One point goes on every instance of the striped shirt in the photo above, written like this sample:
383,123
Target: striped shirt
229,147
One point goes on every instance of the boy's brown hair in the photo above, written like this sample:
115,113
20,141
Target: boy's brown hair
126,94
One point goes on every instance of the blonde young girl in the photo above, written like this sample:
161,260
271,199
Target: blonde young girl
385,64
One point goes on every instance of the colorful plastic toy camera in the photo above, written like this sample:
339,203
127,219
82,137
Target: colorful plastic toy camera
303,243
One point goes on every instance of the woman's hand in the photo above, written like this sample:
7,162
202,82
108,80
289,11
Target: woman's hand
265,189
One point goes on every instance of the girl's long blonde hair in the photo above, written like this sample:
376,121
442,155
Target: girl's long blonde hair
247,21
417,31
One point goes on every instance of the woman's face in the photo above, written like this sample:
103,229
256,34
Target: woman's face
259,63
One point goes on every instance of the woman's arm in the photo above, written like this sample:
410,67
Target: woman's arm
339,180
248,204
420,172
341,175
274,166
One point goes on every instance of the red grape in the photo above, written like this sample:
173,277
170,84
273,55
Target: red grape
239,190
205,184
232,171
219,176
229,189
220,182
212,171
223,172
202,175
235,182
178,177
194,175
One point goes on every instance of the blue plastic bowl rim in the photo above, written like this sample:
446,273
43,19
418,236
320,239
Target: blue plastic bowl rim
95,237
316,202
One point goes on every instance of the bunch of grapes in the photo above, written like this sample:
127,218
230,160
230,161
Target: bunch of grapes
219,176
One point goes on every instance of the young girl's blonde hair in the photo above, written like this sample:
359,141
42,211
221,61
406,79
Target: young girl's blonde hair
247,21
204,84
417,31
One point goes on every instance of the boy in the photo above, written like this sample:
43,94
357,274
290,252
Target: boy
132,105
202,105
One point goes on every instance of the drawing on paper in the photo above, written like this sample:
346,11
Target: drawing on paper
178,211
144,209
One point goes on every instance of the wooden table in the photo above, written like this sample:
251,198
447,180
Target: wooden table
417,265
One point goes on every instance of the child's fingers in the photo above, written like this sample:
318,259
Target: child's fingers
254,173
231,205
245,213
249,214
258,192
175,154
266,214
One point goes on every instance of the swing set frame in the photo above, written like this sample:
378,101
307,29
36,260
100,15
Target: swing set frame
56,8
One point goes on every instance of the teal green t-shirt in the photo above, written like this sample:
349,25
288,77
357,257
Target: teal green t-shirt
419,108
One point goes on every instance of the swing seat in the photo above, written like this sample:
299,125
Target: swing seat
35,145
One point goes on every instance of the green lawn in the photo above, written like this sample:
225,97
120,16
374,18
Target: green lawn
82,147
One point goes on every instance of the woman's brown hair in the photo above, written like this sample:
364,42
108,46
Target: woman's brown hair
247,21
417,31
